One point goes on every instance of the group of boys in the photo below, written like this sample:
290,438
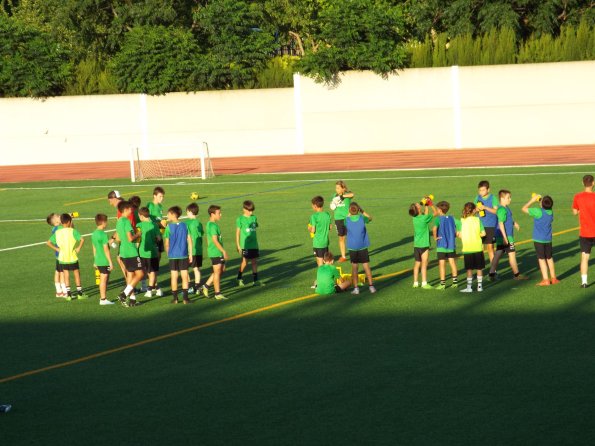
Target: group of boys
141,235
487,222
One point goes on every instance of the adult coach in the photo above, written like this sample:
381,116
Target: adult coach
583,205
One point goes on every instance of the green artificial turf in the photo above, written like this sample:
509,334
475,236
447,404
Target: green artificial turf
513,365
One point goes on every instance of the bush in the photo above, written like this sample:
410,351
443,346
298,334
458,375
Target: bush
91,77
278,73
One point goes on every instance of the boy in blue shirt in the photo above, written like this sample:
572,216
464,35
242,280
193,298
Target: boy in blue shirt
358,243
445,233
542,236
487,205
178,245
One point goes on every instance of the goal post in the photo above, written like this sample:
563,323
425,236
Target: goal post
171,161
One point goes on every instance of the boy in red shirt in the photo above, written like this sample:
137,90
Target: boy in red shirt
583,205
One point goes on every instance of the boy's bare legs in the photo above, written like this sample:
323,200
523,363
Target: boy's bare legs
416,267
543,269
184,276
103,279
550,265
196,278
490,249
453,269
584,267
354,271
342,246
424,267
174,285
442,269
368,272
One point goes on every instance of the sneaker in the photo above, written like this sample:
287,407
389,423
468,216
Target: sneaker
355,291
241,283
554,281
520,277
82,296
205,291
454,285
493,277
467,290
479,289
174,300
416,285
122,299
313,287
133,303
60,295
342,259
149,293
584,285
543,283
372,289
105,302
427,286
441,287
220,297
71,297
159,293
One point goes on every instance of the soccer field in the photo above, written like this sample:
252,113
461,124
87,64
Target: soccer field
278,365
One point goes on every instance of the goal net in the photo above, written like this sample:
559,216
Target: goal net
175,161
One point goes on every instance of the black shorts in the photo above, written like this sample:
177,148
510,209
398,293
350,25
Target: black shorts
447,255
178,264
150,265
217,260
475,260
104,270
320,252
506,248
341,228
361,256
490,237
196,262
250,253
59,267
586,244
160,245
70,266
418,252
543,250
132,264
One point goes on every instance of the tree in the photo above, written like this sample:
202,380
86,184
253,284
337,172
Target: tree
33,63
357,35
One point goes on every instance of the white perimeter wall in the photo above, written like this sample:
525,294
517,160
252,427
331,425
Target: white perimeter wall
487,106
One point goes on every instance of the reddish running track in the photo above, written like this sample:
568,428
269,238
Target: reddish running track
327,162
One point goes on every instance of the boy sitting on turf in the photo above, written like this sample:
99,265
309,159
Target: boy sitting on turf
148,252
178,246
246,242
357,244
542,236
421,242
319,227
216,252
487,206
505,237
196,232
101,257
327,275
127,236
64,241
471,230
54,221
445,233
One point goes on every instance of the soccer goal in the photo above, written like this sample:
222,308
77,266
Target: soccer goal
175,161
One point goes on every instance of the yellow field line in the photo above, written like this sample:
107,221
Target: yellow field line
200,327
136,192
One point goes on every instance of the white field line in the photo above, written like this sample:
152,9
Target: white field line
426,177
41,243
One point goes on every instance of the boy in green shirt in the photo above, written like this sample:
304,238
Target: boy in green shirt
319,227
101,256
127,237
156,210
64,241
148,251
421,241
196,232
246,242
216,252
327,276
505,237
340,206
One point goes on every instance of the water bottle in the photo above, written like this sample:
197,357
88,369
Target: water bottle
97,276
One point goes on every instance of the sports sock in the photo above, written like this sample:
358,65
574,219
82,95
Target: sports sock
58,287
63,285
255,277
175,294
455,280
584,279
424,283
128,290
442,282
517,274
239,275
79,289
415,283
68,291
185,293
479,282
469,282
150,288
196,285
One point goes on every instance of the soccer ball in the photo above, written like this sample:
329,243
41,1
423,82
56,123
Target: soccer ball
194,196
